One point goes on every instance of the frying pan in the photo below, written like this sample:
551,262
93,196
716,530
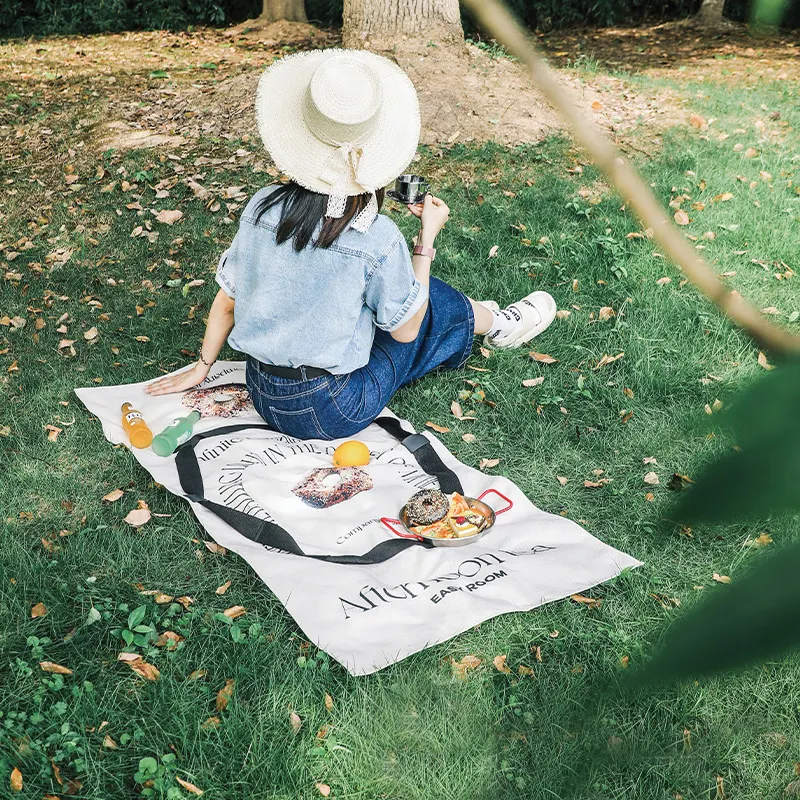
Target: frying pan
476,504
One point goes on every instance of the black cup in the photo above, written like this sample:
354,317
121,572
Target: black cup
409,189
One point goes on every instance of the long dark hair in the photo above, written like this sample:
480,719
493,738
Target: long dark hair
302,210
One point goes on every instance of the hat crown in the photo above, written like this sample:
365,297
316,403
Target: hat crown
342,100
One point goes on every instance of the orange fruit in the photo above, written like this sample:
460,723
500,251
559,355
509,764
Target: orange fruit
351,454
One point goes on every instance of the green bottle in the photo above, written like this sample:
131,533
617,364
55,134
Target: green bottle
168,440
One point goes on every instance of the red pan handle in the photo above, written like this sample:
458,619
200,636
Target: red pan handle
502,496
387,521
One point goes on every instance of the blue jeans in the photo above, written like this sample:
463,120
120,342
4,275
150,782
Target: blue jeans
339,406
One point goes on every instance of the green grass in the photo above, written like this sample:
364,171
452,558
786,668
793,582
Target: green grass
413,730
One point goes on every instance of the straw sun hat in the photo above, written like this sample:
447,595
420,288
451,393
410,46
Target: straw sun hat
340,123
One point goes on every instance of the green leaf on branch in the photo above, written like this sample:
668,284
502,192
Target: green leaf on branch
753,619
762,476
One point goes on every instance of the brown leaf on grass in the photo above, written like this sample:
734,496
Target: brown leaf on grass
197,674
493,251
169,217
500,664
185,601
162,599
222,589
594,484
607,359
328,702
142,338
542,358
681,217
649,497
762,540
438,428
215,548
91,334
591,602
467,663
606,313
295,722
762,362
52,432
458,412
531,382
664,281
234,612
651,478
488,463
696,121
56,669
323,789
723,198
562,313
109,743
190,787
15,781
720,578
628,393
39,610
470,438
169,639
210,723
524,671
139,516
147,671
128,657
112,496
562,480
225,694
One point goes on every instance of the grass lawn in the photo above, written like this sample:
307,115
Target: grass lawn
413,731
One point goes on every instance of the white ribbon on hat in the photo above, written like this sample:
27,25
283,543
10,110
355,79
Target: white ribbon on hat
341,167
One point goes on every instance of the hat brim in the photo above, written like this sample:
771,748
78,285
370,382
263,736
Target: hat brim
387,150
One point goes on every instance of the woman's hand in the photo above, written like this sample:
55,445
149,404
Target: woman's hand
180,382
433,214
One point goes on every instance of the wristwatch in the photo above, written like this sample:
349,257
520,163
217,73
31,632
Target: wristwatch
419,250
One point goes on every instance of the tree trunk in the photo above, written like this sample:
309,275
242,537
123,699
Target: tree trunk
710,13
292,10
397,24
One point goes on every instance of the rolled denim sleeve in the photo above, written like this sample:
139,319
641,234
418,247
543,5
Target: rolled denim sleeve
227,268
393,292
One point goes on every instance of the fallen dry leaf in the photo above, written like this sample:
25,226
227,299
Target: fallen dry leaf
169,639
139,516
147,671
56,669
109,743
15,781
211,722
721,578
493,251
762,540
467,663
169,217
542,358
470,438
162,599
562,480
696,121
112,496
215,548
437,428
500,664
234,612
224,694
591,602
52,432
606,313
762,361
458,412
128,657
664,281
649,460
328,702
39,610
722,198
681,217
190,787
488,463
531,382
607,359
185,601
224,588
323,789
651,478
295,722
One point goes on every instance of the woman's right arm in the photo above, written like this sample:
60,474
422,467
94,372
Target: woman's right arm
220,324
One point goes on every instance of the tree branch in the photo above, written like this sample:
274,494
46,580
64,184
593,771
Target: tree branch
496,19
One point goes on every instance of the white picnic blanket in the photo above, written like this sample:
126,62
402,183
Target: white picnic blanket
364,616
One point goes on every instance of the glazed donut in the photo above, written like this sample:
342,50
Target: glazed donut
427,507
227,400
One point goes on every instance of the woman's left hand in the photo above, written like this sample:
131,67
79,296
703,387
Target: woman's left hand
180,382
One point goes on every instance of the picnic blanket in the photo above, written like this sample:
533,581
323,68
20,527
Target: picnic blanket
360,593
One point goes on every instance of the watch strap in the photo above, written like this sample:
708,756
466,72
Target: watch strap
419,250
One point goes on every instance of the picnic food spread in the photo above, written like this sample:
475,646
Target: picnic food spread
434,514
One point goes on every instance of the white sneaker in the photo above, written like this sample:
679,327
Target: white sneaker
533,314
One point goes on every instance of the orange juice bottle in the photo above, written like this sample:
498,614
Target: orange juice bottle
134,425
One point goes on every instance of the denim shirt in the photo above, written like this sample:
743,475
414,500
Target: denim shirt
318,307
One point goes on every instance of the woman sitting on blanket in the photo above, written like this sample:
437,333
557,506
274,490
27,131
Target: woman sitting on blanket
318,288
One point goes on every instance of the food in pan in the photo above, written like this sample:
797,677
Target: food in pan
458,521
